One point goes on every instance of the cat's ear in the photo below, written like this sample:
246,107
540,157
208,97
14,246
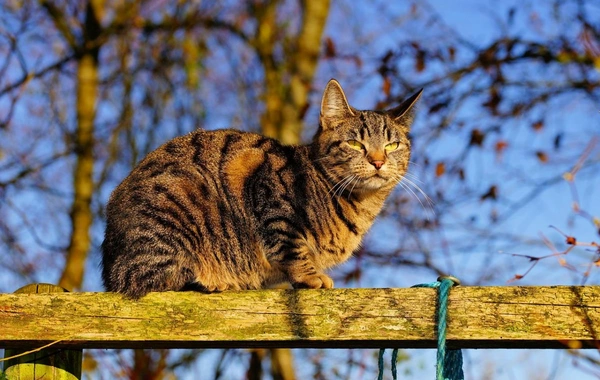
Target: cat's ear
405,110
334,105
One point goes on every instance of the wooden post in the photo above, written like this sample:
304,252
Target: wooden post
48,364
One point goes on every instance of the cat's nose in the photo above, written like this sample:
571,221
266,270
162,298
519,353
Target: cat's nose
377,163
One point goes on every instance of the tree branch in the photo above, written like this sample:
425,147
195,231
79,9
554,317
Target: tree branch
29,76
61,23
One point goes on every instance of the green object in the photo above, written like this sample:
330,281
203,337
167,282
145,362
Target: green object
449,362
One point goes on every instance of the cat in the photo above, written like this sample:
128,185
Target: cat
225,209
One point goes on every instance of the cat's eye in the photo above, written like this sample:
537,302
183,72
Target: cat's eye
356,145
392,146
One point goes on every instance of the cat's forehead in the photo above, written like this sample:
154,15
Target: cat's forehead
375,123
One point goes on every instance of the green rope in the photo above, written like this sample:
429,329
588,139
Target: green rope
394,360
449,362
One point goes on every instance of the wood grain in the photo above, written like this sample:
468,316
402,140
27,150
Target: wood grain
479,317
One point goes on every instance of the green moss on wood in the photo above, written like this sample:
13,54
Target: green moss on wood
497,317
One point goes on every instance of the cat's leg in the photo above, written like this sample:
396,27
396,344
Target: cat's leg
302,274
294,259
313,281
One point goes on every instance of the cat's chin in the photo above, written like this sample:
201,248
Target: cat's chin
375,183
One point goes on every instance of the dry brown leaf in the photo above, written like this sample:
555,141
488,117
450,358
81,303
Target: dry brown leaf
440,169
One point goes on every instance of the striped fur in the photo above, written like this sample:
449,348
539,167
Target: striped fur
217,210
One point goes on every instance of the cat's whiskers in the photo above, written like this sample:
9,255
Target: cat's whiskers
413,177
406,184
347,184
412,192
412,183
341,184
333,188
355,183
414,163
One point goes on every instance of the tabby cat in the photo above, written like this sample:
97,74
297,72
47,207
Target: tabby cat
225,209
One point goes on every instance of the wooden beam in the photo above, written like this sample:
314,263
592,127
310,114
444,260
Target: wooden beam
479,317
49,364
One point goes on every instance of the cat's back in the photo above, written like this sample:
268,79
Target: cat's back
205,149
197,157
190,181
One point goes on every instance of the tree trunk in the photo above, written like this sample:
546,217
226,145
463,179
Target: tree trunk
81,214
303,61
286,100
83,185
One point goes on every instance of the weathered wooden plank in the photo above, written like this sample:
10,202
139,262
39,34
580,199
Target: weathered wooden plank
49,364
492,317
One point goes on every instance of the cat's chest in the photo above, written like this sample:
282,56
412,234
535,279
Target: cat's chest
331,250
340,238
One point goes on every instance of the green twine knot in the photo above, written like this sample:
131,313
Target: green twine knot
449,362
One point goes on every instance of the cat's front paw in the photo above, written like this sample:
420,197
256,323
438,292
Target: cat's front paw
217,288
315,281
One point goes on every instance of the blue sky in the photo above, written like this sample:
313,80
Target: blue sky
372,30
